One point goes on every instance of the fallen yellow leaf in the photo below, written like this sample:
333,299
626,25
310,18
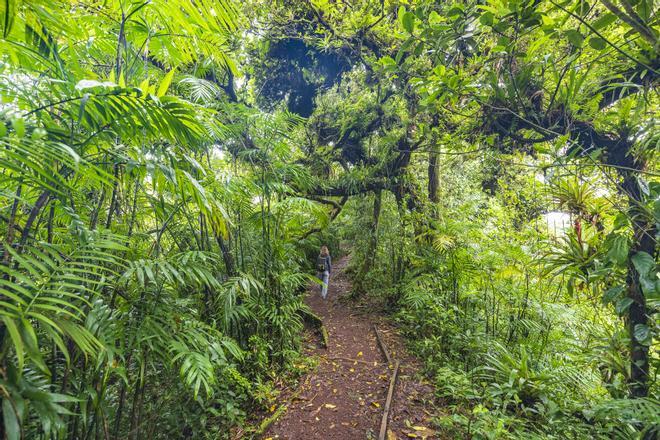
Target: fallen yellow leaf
376,404
424,432
330,405
359,354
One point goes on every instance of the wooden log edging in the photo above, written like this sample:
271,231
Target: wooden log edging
388,403
390,391
382,346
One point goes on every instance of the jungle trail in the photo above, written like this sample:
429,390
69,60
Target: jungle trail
484,173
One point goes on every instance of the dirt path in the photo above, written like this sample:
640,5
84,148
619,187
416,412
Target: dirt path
343,398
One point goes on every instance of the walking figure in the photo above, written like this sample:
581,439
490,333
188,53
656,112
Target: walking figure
324,267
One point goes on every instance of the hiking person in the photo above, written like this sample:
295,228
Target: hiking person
324,267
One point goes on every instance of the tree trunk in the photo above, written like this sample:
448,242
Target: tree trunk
136,410
227,256
95,214
113,200
643,241
373,239
51,219
131,223
11,224
434,178
372,247
34,212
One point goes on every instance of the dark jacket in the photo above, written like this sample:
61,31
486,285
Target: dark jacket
324,262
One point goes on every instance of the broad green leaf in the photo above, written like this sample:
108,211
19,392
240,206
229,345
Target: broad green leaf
10,420
618,251
643,262
597,43
19,126
612,294
642,334
31,344
8,13
408,22
650,285
435,18
622,305
144,86
574,37
604,20
165,83
487,18
388,62
17,340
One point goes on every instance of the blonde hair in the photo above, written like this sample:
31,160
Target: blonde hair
324,251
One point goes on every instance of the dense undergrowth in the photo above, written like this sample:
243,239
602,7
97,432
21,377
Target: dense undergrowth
168,170
510,307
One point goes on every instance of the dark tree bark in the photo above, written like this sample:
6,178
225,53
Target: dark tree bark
34,212
372,246
434,178
373,239
227,255
11,224
337,207
638,313
51,219
113,200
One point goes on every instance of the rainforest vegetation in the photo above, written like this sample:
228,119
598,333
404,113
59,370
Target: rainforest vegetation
169,169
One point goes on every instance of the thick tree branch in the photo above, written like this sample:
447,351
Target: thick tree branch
333,215
595,31
632,19
334,204
627,83
350,188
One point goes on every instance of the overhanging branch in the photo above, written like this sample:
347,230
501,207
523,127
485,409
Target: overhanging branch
333,215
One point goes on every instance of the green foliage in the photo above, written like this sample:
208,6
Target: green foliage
513,324
149,236
158,225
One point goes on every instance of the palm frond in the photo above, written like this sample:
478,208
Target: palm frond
50,287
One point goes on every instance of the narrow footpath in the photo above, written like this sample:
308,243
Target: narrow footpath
344,397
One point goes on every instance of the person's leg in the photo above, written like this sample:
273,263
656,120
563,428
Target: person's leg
324,288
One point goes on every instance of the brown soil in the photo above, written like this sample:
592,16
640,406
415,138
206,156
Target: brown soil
344,397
